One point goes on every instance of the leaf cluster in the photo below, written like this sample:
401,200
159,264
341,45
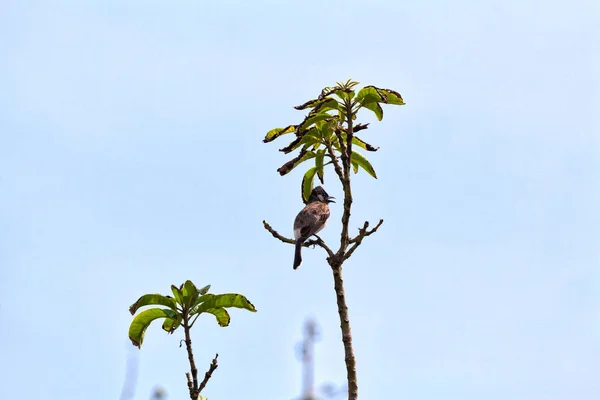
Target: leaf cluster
184,307
327,129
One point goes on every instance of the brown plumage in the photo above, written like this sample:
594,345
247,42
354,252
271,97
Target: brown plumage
311,220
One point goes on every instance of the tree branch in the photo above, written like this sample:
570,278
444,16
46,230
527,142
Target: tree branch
193,379
313,242
360,127
338,284
362,233
321,242
207,376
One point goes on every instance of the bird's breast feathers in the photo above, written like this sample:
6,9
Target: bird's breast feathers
311,220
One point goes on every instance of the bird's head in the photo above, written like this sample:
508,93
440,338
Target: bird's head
319,194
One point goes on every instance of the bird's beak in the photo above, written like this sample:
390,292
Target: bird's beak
329,199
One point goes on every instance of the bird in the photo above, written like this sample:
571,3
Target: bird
311,219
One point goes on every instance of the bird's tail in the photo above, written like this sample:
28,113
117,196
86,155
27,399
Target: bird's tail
298,254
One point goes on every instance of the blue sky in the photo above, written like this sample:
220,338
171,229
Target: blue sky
131,158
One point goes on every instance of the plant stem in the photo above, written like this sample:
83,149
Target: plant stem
192,385
338,283
346,163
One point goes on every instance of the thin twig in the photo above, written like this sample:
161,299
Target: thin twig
313,242
360,127
334,159
194,321
362,233
208,374
320,242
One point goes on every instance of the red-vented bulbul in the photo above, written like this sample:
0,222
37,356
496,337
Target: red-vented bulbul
311,219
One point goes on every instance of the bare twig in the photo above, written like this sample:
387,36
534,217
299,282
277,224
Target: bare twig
313,242
194,321
208,374
320,242
360,127
277,235
362,233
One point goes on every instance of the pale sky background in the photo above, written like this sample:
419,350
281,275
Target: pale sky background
131,157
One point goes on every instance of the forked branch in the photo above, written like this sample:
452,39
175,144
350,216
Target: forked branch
192,378
208,374
313,242
362,233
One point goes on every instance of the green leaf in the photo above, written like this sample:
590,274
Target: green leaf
341,109
154,300
308,183
344,94
306,140
330,104
354,167
362,162
362,144
369,94
202,299
311,119
326,91
275,133
142,321
324,127
376,108
311,141
221,314
392,97
204,290
370,98
349,84
292,146
293,163
177,293
319,161
319,104
205,297
190,293
224,301
171,324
